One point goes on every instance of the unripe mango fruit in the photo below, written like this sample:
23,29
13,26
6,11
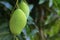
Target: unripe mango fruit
24,7
17,22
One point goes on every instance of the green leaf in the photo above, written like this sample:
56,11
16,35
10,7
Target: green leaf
6,4
41,1
54,28
50,3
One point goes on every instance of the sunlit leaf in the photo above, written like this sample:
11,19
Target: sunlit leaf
41,1
6,4
50,3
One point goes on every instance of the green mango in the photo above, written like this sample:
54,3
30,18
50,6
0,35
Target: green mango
17,22
24,7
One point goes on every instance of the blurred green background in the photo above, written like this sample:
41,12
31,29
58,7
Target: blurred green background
43,21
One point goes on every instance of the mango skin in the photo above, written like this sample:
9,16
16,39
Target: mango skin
17,22
25,8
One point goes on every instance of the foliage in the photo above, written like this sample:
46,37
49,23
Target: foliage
43,21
